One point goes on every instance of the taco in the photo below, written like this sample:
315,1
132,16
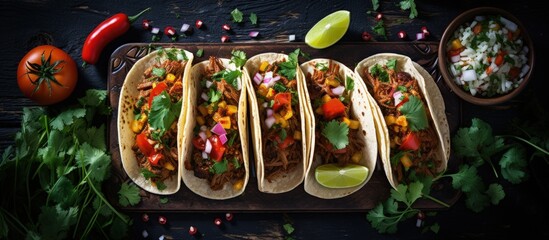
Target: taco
344,130
278,120
414,132
215,135
150,109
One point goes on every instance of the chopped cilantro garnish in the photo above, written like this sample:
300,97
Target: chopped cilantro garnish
236,163
409,5
214,95
279,87
337,133
237,15
349,84
128,195
230,77
253,18
238,58
379,29
288,68
159,72
163,113
321,66
415,113
200,52
219,167
391,64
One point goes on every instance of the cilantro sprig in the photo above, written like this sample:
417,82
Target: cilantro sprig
53,175
415,113
337,133
288,68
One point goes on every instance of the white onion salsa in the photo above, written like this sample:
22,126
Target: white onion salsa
488,56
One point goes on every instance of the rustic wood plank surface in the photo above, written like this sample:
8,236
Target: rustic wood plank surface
66,24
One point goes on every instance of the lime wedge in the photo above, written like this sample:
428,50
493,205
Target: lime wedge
336,176
328,30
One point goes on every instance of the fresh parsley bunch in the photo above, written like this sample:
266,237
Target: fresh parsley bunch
52,178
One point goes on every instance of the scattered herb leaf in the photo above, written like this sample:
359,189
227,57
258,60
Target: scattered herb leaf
253,18
237,15
337,133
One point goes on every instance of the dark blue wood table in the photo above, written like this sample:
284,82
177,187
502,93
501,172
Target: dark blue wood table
66,24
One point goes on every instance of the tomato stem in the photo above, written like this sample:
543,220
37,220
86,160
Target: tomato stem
135,17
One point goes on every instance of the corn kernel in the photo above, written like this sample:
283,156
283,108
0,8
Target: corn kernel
203,110
136,126
390,119
216,116
200,120
231,109
401,120
210,109
270,93
263,66
222,104
331,81
347,121
238,184
286,113
169,166
170,77
297,135
456,44
356,157
262,89
225,122
354,124
326,98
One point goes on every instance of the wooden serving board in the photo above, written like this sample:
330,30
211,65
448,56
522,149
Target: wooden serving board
376,190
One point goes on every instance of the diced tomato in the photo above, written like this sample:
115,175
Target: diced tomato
499,58
288,141
143,144
477,29
199,143
217,148
160,87
333,109
410,142
282,99
514,73
155,158
404,100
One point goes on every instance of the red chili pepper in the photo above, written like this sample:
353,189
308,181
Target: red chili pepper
402,34
332,109
218,222
217,148
193,230
146,24
162,220
425,31
104,33
155,158
229,216
289,140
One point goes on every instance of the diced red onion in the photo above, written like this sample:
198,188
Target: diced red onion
253,34
223,138
338,90
204,96
276,78
258,78
469,75
204,155
270,121
218,129
508,24
202,135
155,30
268,77
397,95
291,38
420,36
208,147
185,27
270,112
209,84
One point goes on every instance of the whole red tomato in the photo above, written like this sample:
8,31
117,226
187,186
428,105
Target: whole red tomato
47,75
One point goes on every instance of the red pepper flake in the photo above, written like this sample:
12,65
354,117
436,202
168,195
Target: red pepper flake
379,16
146,24
425,31
198,23
229,216
193,230
225,38
402,34
366,36
226,27
145,217
162,220
169,31
218,222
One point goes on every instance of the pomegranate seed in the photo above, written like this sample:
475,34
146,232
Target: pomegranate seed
218,222
146,24
226,27
229,216
169,31
366,36
198,23
402,34
145,217
193,230
162,220
425,31
224,38
379,16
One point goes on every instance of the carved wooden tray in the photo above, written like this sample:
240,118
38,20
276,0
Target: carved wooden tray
376,190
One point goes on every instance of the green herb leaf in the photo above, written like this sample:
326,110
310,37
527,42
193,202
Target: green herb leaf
391,64
409,5
379,29
253,18
513,165
97,161
147,174
160,72
476,142
375,4
378,71
163,200
337,133
213,95
349,84
415,113
321,67
160,185
236,163
237,15
163,113
467,179
495,192
55,221
238,58
476,201
289,228
220,167
128,195
199,52
67,117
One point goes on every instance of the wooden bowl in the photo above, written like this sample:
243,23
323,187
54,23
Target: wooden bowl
444,62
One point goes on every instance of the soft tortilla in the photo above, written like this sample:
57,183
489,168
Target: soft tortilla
292,179
126,137
201,186
435,104
362,111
